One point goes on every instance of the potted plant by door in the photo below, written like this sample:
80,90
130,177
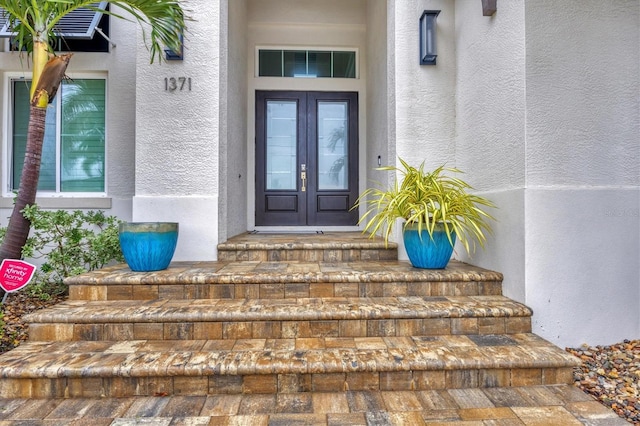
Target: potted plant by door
437,210
148,246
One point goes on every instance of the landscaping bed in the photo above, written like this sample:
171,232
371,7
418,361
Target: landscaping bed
13,329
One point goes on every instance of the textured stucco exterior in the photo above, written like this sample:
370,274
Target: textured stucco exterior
424,95
490,128
233,121
583,169
177,137
582,93
548,129
490,96
380,99
539,105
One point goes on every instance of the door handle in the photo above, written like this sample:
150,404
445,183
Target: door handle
303,177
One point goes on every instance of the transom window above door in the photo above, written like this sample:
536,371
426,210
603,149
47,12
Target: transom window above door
307,63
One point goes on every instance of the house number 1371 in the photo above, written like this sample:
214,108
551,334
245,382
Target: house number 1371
171,84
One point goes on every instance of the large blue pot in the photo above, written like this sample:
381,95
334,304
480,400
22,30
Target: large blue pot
426,252
148,246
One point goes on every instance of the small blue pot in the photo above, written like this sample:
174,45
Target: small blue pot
148,246
426,252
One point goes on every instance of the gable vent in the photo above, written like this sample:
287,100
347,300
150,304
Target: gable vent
80,24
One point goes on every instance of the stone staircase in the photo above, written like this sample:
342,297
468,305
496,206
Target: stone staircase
282,314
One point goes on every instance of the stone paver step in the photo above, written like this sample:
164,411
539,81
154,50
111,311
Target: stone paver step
243,366
311,246
540,405
279,318
278,280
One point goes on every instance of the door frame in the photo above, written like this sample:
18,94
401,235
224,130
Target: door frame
314,207
301,84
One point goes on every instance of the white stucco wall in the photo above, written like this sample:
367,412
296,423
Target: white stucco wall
588,117
548,128
583,169
233,146
390,89
425,95
177,136
379,100
490,94
582,264
490,140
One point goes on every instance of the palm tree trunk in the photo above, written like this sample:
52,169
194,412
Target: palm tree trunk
46,86
18,229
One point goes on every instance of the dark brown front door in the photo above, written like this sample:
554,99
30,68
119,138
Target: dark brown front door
306,158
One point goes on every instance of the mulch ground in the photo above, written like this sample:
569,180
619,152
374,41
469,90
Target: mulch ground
17,305
609,373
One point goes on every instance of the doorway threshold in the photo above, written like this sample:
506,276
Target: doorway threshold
302,229
306,231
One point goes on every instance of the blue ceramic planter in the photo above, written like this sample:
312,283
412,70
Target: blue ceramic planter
148,246
425,252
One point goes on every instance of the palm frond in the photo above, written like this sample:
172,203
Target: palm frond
163,20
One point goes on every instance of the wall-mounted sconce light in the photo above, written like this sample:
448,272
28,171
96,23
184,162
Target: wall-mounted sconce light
171,55
489,7
428,50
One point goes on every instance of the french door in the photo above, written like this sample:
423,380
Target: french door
306,158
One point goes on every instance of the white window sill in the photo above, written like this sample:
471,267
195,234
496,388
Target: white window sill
64,202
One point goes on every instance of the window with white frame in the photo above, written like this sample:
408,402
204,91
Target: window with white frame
73,154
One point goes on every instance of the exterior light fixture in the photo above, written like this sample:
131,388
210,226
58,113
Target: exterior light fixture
489,7
428,51
171,55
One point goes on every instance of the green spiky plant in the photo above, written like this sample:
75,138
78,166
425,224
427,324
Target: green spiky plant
427,200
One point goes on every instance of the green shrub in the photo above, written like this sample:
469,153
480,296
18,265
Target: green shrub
68,243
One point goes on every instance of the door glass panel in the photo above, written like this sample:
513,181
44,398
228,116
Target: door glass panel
333,153
281,145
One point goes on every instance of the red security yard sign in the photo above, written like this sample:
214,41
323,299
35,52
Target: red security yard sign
15,274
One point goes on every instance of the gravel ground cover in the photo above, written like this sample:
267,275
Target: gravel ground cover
612,375
609,373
